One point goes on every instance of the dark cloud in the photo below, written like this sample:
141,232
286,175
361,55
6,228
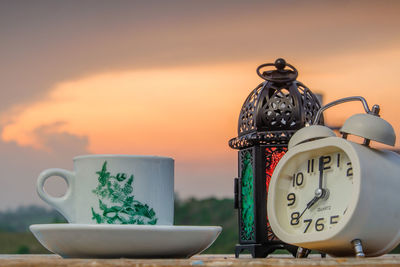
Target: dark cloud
45,42
20,166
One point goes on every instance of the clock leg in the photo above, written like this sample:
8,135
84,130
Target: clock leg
358,249
302,252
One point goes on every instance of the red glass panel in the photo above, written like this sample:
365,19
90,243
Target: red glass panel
273,155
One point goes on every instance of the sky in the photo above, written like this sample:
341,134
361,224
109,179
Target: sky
169,78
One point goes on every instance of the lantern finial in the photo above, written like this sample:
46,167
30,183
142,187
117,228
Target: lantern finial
280,63
281,74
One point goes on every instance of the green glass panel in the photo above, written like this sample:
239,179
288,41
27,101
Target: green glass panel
247,189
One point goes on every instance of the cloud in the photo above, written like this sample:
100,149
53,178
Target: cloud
20,166
174,110
185,113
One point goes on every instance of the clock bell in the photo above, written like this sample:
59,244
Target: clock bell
270,115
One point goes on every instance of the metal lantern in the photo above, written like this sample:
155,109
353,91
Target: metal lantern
271,114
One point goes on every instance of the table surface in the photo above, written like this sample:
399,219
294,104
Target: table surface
199,260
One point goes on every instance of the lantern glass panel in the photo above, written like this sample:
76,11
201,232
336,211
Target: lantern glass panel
272,157
247,196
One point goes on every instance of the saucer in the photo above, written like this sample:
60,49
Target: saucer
128,241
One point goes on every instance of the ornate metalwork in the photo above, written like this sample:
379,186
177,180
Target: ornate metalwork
279,108
247,115
261,138
311,104
280,105
247,227
270,235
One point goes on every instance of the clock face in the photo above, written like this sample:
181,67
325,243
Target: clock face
313,191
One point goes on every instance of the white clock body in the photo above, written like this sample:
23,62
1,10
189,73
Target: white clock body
361,197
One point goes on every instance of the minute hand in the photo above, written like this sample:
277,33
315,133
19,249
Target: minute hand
320,192
309,205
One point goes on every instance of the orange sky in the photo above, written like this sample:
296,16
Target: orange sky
170,79
175,111
170,111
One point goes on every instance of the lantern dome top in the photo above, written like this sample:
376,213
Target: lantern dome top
276,108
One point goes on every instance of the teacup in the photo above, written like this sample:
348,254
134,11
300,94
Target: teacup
115,189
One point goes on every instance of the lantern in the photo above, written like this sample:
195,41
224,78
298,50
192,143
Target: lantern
271,114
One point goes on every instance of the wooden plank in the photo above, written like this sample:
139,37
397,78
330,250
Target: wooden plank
201,260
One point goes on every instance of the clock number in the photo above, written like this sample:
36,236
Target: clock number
319,226
310,166
349,171
291,198
334,219
308,221
338,160
294,218
298,179
326,160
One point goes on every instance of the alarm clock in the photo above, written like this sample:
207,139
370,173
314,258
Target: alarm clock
336,196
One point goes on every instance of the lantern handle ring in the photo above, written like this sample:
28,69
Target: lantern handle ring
344,100
280,74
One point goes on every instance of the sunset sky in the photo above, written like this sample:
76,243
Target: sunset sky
169,78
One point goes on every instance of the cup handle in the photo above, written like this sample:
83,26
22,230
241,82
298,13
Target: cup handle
63,204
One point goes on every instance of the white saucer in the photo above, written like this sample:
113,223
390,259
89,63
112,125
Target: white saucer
129,241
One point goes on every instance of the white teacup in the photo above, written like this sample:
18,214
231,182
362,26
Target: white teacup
115,189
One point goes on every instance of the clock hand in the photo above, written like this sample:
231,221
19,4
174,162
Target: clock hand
321,171
309,205
320,192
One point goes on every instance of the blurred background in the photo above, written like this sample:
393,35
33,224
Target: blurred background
169,78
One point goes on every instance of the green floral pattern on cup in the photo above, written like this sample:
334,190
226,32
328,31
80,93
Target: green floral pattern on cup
117,203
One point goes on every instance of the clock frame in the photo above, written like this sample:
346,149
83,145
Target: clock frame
372,215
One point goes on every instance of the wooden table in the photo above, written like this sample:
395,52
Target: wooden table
200,260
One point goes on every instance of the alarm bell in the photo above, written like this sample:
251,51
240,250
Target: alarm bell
370,127
366,125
